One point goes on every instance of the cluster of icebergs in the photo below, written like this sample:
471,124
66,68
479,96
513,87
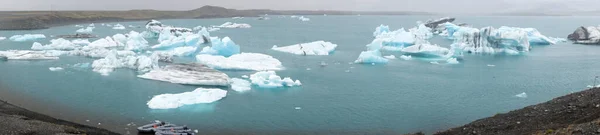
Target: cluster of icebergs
301,18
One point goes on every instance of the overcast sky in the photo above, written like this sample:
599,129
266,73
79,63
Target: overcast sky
438,6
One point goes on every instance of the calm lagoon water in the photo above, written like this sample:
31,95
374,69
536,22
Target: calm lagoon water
398,97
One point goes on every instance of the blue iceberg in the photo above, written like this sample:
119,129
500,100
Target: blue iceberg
370,57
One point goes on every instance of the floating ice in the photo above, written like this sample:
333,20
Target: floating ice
586,35
368,57
78,26
225,47
452,61
269,79
112,61
245,76
490,41
191,74
237,17
211,29
233,25
198,96
381,29
421,32
87,30
312,48
405,57
55,68
304,19
240,85
103,43
522,95
30,55
243,61
591,86
490,65
426,50
118,27
2,38
135,42
390,57
27,37
55,44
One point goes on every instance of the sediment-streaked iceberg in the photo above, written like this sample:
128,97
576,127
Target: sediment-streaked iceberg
27,37
242,61
240,85
86,30
312,48
55,44
118,27
490,41
190,74
269,79
30,55
198,96
370,57
586,35
233,25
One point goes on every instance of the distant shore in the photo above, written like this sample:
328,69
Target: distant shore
15,120
32,20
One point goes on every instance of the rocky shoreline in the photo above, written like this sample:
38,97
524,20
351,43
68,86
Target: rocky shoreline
18,121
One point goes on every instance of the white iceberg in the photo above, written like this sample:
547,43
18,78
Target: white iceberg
381,29
2,38
30,55
233,25
406,57
55,44
86,30
27,37
198,96
427,50
312,48
190,74
269,79
304,19
103,43
242,61
452,61
225,47
390,57
112,61
211,29
522,95
371,57
135,42
118,27
55,68
240,85
81,42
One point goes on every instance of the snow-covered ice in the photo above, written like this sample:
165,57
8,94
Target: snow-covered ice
191,74
381,29
369,57
27,37
522,95
269,79
198,96
233,25
242,61
312,48
55,68
240,85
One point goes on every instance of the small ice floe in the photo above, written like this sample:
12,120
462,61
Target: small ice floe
434,62
490,65
308,69
118,27
406,57
2,38
245,76
243,61
55,68
522,95
87,30
347,71
390,57
323,64
233,25
452,61
371,57
240,85
312,48
198,96
269,79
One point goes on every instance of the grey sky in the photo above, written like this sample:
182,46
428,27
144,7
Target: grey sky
444,6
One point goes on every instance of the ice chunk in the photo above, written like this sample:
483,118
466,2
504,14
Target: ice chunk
103,43
269,79
452,61
390,57
191,74
55,44
421,32
381,29
312,48
211,29
240,85
86,30
304,19
198,96
55,68
233,25
112,61
243,61
405,57
182,51
2,38
118,27
426,50
27,37
225,47
522,95
245,76
591,86
30,55
368,57
489,40
80,42
135,42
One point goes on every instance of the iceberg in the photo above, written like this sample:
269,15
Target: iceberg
81,42
427,50
312,48
55,44
211,29
27,37
86,30
112,61
304,19
371,57
490,41
30,55
135,42
225,47
452,61
242,61
522,95
405,57
421,32
390,57
586,35
240,85
103,43
190,74
118,27
55,69
233,25
381,29
198,96
435,23
156,27
269,79
2,38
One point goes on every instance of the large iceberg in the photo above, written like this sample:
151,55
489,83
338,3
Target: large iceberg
240,85
233,25
396,40
312,48
56,44
191,74
155,28
27,37
225,47
30,55
113,61
489,40
586,35
198,96
242,61
269,79
86,30
370,57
